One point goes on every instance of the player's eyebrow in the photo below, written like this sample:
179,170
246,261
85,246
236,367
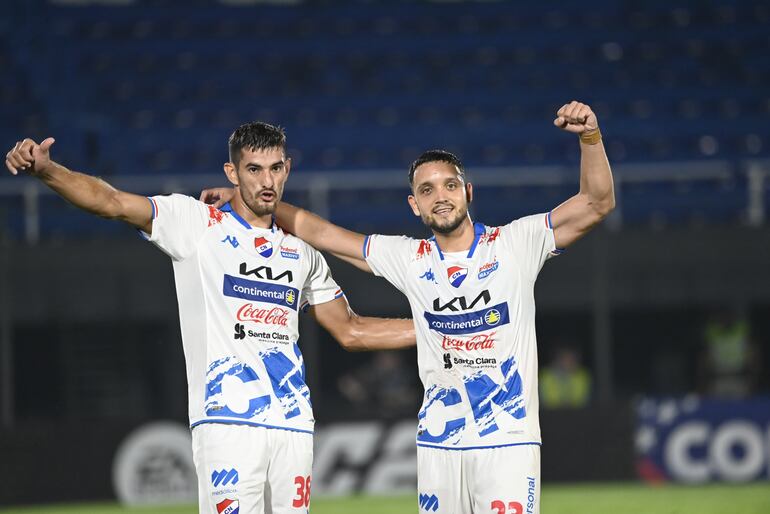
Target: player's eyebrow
259,166
428,182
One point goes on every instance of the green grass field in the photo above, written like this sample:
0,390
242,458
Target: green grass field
557,499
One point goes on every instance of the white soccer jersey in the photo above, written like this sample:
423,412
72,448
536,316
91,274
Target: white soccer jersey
240,289
474,314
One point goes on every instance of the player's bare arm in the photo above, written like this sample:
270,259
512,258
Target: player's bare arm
322,234
596,197
84,191
314,230
362,333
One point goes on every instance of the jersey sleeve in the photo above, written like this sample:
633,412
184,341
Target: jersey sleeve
389,257
178,223
532,241
319,286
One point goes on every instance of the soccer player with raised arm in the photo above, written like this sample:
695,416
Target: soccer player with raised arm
241,282
471,291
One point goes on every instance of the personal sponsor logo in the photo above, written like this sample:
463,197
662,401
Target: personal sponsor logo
475,343
428,502
460,303
489,237
215,215
429,276
265,316
241,332
265,273
456,275
236,287
469,323
228,506
531,495
263,246
488,268
289,253
232,240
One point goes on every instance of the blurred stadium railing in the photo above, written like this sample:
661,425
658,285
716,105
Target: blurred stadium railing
654,195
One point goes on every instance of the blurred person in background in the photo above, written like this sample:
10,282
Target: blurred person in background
383,384
565,382
241,282
729,362
471,291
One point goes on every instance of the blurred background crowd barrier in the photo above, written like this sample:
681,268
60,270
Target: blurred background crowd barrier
654,332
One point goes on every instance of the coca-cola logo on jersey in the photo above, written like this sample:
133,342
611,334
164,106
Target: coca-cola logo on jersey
268,316
477,342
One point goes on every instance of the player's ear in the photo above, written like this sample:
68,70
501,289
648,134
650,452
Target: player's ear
231,173
469,192
413,205
288,165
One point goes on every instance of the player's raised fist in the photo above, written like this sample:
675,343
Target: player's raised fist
576,117
30,157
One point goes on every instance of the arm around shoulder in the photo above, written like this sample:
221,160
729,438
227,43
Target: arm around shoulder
362,333
322,234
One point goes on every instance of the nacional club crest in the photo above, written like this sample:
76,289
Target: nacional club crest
263,246
228,506
456,275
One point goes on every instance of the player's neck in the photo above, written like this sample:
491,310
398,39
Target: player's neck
459,240
257,221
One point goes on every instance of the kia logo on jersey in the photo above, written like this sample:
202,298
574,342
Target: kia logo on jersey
459,303
456,275
265,272
263,246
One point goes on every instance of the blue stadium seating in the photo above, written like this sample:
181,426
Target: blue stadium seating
156,87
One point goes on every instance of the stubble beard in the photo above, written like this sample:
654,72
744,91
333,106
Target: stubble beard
260,208
449,226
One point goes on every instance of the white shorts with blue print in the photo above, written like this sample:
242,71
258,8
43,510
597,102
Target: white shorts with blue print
502,480
252,470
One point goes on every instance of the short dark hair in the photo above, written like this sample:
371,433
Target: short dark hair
435,156
256,135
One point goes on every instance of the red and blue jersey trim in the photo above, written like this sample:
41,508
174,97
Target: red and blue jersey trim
154,206
339,293
549,225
